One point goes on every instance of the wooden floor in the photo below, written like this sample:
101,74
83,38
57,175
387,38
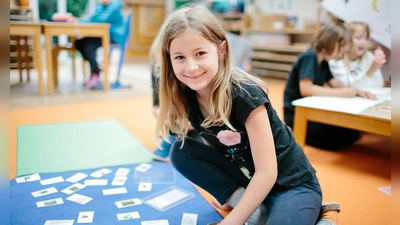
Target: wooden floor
351,176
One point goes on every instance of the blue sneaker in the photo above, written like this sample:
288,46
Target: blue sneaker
162,153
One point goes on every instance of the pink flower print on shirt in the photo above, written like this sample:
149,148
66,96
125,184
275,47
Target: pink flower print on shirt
228,138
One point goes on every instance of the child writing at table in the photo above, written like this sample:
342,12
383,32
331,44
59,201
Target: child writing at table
311,76
107,11
359,67
247,157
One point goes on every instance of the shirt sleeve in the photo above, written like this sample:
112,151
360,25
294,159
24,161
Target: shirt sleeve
103,14
247,100
308,66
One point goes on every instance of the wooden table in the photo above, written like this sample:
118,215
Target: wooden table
33,29
370,120
76,30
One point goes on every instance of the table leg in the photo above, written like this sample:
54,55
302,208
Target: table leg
106,48
19,58
37,48
300,125
49,56
26,57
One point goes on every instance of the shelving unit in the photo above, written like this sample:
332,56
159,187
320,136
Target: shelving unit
236,23
275,50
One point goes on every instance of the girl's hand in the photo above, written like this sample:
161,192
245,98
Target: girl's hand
349,92
366,94
73,19
379,56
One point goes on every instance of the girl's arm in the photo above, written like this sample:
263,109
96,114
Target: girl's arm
379,59
265,163
103,14
308,88
339,71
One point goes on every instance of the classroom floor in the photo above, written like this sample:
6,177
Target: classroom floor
135,72
351,176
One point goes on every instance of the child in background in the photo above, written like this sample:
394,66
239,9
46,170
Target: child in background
309,75
248,157
359,67
107,11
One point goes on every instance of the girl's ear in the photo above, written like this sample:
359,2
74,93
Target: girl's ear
223,47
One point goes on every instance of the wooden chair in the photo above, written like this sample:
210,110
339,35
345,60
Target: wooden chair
20,45
55,50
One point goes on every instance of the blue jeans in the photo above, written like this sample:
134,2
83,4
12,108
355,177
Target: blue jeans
209,169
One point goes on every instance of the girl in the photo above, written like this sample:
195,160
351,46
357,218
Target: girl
359,68
308,77
248,157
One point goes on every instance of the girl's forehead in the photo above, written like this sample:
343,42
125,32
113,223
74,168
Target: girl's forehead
359,29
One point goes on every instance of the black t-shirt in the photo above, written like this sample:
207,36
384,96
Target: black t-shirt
293,166
306,66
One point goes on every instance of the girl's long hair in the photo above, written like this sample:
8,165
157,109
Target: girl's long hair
173,102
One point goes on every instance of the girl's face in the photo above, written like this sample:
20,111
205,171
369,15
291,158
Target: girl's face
360,41
194,60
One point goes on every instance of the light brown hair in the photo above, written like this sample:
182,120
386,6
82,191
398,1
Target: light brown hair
330,34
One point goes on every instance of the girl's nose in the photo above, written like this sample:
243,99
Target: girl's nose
191,65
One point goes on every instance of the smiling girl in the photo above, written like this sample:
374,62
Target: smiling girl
248,157
359,68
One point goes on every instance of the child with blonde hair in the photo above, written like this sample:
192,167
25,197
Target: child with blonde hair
247,157
311,76
359,67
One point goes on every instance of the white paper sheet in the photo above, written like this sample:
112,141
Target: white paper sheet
354,105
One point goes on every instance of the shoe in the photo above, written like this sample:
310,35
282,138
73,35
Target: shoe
162,153
92,83
330,212
330,206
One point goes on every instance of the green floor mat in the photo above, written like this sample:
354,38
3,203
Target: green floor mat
76,146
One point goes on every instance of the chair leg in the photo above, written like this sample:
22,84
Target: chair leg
55,66
121,61
73,63
19,59
26,55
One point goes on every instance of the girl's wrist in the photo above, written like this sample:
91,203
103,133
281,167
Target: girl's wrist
379,61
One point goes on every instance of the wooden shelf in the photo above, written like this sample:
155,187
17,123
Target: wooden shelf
274,57
280,31
272,66
236,23
281,48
